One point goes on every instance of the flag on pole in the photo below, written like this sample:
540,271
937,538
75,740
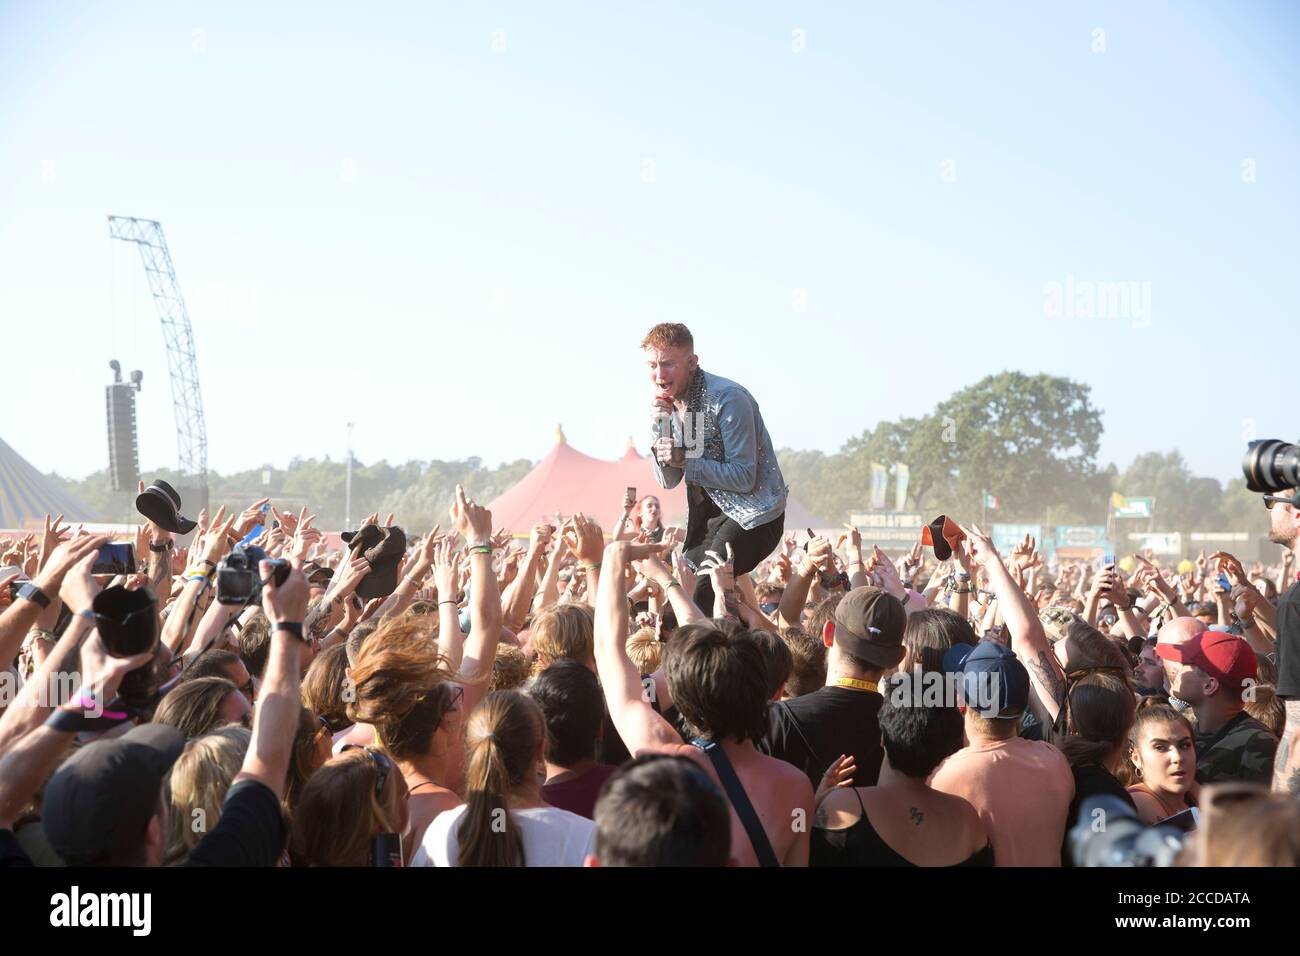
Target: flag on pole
991,501
901,476
879,484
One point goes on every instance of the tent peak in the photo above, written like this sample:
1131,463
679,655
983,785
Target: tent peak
559,435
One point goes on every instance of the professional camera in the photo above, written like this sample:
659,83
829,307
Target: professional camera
1271,466
238,579
1109,833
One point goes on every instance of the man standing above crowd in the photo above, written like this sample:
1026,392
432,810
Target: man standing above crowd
709,431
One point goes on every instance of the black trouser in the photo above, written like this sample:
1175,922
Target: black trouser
708,529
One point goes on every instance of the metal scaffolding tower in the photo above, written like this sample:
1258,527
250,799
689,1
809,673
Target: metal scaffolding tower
191,433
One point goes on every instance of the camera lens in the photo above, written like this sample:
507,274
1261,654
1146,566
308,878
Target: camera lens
1271,466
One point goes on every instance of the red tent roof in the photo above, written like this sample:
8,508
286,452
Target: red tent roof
566,481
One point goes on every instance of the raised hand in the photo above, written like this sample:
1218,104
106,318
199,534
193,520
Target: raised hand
287,601
851,540
250,518
979,547
79,586
64,558
52,535
883,569
721,571
214,545
1230,566
350,575
821,554
585,538
446,570
910,565
472,521
304,535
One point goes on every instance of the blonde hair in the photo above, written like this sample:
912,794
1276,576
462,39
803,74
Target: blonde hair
510,670
645,650
198,784
564,630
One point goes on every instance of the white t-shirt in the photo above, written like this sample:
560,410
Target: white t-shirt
551,837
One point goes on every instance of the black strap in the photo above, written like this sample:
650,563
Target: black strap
740,802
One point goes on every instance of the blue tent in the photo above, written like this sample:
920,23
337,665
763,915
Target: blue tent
28,496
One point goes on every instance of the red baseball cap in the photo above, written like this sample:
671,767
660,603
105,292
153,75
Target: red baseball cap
1225,657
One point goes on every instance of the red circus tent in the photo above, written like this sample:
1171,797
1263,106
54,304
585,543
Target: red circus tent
566,481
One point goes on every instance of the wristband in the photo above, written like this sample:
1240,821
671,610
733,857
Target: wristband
414,583
448,601
166,546
592,567
293,627
672,583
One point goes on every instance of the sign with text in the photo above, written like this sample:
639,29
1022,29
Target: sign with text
1122,507
1081,536
1160,542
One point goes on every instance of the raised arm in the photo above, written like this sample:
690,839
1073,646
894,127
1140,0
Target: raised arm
587,542
446,579
1028,640
519,595
33,703
550,590
32,758
20,616
636,721
279,701
474,522
210,551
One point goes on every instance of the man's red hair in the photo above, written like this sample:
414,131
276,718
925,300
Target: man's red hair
669,335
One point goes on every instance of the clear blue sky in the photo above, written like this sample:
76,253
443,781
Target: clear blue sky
477,238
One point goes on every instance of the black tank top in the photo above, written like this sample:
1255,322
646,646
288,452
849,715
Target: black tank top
861,845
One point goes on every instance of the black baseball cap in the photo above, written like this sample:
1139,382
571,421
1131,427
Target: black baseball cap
869,623
97,805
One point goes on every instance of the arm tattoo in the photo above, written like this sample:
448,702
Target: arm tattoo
1286,779
1050,677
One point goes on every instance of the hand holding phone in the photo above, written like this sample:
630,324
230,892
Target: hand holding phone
115,559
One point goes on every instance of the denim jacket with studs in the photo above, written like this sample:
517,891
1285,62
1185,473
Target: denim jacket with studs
729,454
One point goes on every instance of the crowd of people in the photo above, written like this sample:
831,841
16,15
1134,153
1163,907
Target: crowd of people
567,695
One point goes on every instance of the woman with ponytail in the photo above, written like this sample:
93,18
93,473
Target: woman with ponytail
504,821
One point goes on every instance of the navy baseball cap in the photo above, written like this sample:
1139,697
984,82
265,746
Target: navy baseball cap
994,682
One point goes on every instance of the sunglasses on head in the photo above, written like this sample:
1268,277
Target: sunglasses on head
383,766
